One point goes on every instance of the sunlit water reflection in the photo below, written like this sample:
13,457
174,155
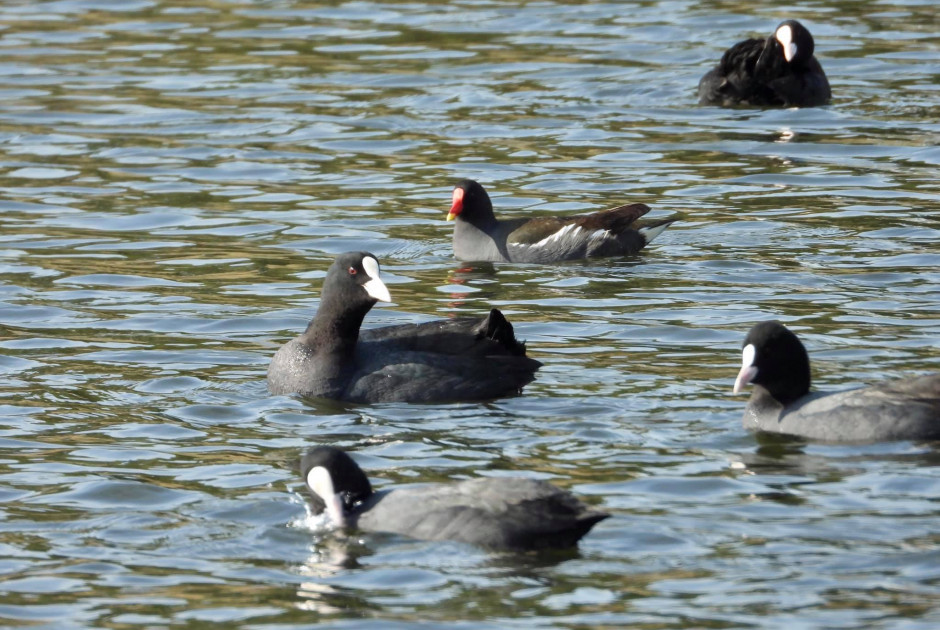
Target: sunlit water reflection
176,180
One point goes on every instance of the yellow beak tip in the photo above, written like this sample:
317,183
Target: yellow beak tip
450,216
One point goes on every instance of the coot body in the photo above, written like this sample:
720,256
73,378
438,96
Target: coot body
495,512
776,363
461,359
780,71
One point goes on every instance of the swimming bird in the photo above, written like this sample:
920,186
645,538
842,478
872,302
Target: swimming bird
480,236
776,363
459,359
778,71
507,513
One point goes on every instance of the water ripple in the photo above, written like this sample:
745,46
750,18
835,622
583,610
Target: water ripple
178,178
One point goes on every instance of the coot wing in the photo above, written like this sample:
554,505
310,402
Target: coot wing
808,88
733,81
897,410
416,376
499,513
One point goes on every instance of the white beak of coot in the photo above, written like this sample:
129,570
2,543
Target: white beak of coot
785,37
375,287
320,481
748,370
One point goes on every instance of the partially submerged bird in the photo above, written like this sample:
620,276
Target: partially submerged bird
480,236
459,359
493,512
777,364
778,71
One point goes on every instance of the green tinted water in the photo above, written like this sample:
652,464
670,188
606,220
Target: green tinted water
176,179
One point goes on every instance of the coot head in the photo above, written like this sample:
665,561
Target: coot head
354,277
794,41
335,481
774,358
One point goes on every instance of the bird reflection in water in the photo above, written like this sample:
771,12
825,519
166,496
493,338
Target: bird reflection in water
330,555
457,282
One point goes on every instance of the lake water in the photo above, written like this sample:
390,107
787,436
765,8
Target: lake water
176,178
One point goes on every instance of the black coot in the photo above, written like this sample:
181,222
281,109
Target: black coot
459,359
497,513
779,71
776,363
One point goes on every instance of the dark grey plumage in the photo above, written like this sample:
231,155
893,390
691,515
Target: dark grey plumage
497,513
758,72
777,364
457,359
480,236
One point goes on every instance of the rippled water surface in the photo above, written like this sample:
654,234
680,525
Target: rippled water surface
177,176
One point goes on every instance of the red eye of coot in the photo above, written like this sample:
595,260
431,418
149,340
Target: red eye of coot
352,271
